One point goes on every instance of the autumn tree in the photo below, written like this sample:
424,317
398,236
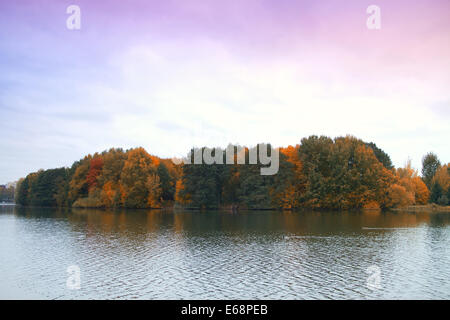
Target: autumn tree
109,178
442,177
181,196
342,174
399,196
95,167
78,187
422,194
155,191
440,185
133,179
315,153
290,183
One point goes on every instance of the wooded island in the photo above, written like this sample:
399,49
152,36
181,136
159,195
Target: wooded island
319,173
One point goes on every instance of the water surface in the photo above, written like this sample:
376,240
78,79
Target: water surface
152,254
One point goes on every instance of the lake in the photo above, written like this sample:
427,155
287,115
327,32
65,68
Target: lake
177,254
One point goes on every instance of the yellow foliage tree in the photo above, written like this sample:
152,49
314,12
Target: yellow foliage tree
422,194
291,182
442,177
153,185
108,194
414,189
179,197
399,197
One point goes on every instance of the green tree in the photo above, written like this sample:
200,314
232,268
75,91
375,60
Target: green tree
167,182
430,164
443,200
203,183
436,192
382,156
255,190
22,192
78,187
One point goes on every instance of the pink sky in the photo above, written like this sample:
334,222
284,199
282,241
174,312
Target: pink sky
169,74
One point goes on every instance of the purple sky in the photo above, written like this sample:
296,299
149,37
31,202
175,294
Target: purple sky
167,75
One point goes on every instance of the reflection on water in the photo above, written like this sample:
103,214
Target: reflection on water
218,255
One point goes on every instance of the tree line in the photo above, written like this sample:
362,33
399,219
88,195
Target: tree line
320,172
6,193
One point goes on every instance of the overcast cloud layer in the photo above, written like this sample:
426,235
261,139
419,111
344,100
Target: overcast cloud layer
167,75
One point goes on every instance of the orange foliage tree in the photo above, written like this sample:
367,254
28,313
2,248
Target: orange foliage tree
290,183
95,168
408,188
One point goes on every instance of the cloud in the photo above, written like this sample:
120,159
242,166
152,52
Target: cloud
200,75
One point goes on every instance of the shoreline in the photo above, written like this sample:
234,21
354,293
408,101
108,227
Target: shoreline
429,208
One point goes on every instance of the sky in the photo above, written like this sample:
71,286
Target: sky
169,75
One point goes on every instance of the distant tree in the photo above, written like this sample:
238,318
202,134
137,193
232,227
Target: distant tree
48,188
18,189
430,164
22,192
2,193
7,193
